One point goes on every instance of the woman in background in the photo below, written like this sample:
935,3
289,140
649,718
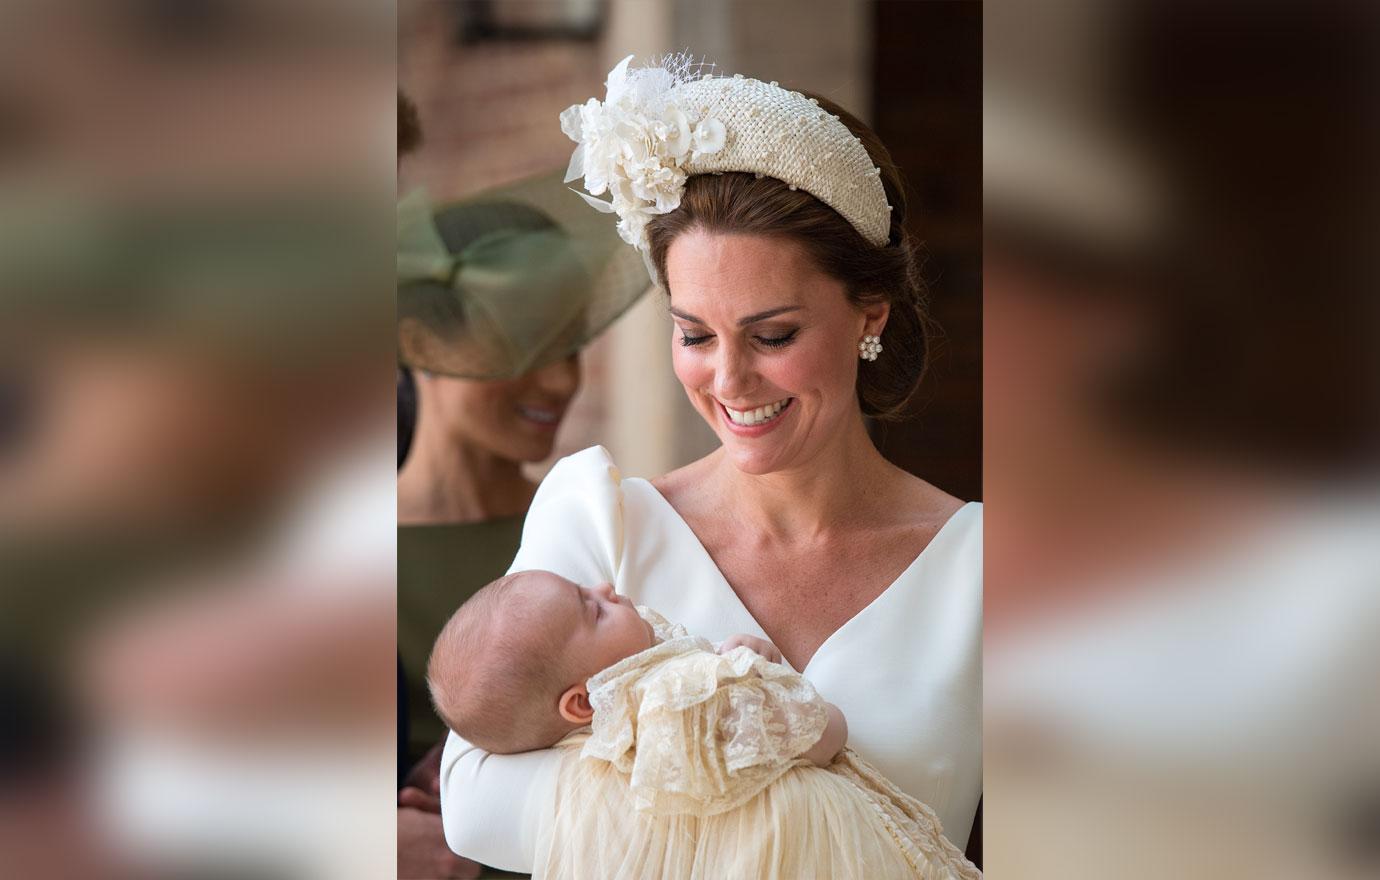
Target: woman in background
497,295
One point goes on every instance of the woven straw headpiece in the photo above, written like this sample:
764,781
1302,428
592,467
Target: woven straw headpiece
662,124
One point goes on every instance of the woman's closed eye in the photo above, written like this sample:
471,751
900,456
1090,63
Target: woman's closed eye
778,340
771,341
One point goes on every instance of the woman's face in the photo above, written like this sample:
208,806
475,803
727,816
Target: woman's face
766,346
515,419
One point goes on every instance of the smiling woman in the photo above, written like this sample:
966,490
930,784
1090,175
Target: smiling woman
496,297
774,383
804,246
781,248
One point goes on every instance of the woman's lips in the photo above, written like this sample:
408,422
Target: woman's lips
756,421
545,418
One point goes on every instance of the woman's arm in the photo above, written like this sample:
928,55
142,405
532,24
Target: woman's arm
492,806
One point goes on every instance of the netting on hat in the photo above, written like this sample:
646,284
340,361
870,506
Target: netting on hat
498,285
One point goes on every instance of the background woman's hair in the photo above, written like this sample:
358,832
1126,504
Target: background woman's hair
409,126
409,139
742,203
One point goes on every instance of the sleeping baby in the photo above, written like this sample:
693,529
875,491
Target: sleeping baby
678,759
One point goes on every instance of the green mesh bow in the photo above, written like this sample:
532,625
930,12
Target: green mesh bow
496,286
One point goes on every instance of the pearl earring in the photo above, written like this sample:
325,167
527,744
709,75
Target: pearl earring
870,347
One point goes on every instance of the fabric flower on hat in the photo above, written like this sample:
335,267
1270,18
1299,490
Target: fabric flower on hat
659,126
634,146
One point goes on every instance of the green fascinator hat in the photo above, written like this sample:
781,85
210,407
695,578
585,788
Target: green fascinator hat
500,284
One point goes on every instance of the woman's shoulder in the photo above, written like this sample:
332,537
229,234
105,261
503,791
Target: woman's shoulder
913,502
575,524
592,466
689,488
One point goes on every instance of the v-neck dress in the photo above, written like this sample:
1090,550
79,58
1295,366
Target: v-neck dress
905,670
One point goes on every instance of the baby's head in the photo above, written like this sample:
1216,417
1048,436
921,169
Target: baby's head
508,671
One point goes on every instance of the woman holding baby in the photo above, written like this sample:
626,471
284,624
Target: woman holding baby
774,222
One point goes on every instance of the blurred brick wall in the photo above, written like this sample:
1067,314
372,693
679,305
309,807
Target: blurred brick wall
489,109
489,113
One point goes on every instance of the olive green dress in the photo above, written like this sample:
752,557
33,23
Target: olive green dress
439,567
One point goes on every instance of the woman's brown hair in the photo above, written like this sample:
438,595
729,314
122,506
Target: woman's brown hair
746,204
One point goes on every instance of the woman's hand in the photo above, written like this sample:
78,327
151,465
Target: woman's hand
832,741
426,773
763,647
422,850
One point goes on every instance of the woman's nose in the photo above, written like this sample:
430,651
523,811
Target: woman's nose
561,378
732,374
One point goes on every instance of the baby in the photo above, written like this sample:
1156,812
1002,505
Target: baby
510,670
703,750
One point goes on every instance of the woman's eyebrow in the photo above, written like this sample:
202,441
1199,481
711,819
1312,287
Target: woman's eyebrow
742,322
769,313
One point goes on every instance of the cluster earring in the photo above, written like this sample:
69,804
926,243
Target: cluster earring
870,347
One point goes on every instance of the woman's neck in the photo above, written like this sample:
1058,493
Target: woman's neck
445,480
812,497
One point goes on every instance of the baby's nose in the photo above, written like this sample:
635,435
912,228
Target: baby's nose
605,591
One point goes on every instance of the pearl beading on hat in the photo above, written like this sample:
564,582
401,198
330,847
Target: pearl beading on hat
659,125
782,134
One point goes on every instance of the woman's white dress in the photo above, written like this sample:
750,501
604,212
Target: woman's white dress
906,670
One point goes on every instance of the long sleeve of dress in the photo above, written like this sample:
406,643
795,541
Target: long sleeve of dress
492,805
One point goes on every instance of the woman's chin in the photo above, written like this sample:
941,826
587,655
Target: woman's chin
749,460
516,446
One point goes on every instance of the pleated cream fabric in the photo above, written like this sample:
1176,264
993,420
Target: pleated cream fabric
691,771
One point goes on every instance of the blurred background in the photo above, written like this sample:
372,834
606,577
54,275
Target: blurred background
196,438
490,78
1180,440
1170,208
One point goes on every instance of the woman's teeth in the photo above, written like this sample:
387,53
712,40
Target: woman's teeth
542,416
756,416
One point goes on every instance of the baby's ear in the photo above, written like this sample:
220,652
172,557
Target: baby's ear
574,705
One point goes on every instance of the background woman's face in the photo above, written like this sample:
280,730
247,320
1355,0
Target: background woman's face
515,419
765,344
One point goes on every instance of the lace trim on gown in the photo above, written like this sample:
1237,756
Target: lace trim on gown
697,732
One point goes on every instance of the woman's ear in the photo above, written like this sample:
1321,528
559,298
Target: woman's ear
875,316
574,705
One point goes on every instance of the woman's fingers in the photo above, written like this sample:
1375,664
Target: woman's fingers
422,850
410,796
426,774
761,646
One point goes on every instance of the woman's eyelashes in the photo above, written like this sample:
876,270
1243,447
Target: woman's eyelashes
776,340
